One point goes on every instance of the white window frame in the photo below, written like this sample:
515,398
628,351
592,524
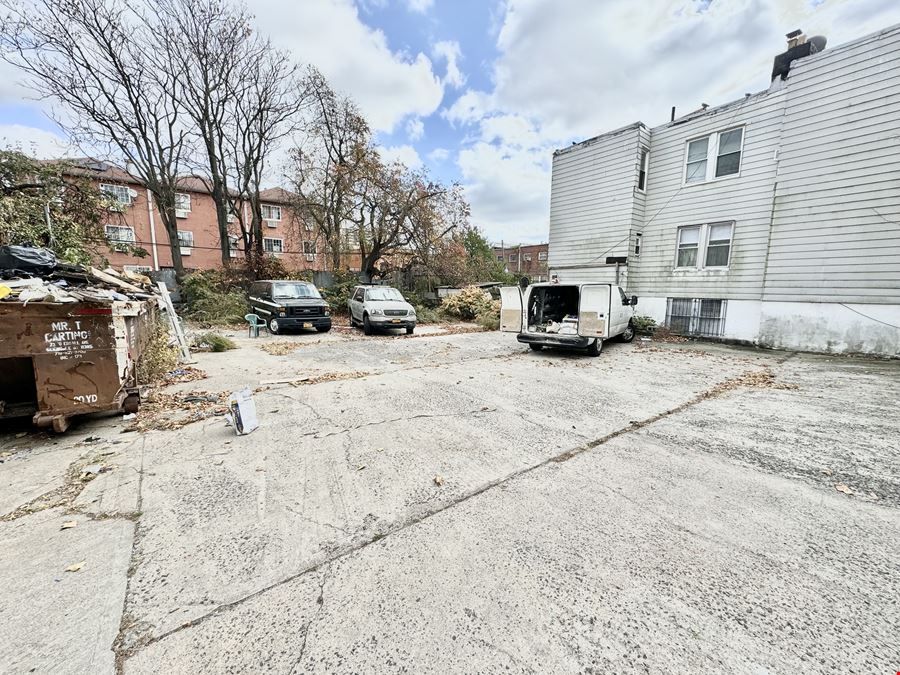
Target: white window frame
638,244
273,251
139,269
703,245
712,155
114,191
644,165
270,208
115,243
526,257
542,256
180,199
233,244
185,250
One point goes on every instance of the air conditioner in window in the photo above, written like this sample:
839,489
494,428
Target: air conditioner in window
232,253
272,223
182,213
132,195
310,257
185,250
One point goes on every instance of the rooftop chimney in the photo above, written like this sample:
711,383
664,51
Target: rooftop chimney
798,46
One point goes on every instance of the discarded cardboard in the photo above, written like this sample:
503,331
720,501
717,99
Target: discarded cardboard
242,412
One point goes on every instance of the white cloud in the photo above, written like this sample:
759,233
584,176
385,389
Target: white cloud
419,6
438,155
568,71
405,154
33,141
415,129
450,51
388,85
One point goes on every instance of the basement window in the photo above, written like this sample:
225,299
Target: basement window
704,317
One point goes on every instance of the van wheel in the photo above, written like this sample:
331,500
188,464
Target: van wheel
628,334
367,325
273,326
534,347
595,348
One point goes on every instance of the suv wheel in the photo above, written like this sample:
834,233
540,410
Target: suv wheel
367,325
273,326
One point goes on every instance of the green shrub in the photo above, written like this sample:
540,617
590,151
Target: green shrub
643,325
490,317
427,314
211,298
213,342
339,294
468,304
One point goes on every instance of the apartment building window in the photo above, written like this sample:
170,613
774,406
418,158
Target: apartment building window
273,245
139,269
309,248
696,316
499,258
715,156
513,257
185,241
119,196
119,237
706,246
271,212
542,256
642,169
638,240
182,205
233,245
526,257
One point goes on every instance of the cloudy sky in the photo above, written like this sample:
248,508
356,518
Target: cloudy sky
482,91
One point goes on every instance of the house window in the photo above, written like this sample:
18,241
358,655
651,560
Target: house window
272,245
526,257
513,257
233,245
696,316
140,269
119,237
182,205
499,258
642,170
309,247
118,195
638,240
704,246
715,156
185,241
542,256
270,212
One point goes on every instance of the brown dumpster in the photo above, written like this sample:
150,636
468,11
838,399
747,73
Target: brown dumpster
63,359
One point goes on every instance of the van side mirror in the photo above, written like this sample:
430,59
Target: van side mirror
633,300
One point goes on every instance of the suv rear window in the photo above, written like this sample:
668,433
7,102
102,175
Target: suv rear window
288,290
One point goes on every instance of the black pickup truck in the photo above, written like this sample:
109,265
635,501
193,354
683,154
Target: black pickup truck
289,304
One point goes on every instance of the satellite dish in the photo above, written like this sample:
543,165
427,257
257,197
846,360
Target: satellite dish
817,43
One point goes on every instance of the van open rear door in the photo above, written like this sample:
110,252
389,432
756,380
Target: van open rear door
511,309
593,311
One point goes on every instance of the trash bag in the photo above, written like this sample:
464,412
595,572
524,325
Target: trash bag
27,259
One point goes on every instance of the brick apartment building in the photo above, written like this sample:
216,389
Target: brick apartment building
134,221
528,260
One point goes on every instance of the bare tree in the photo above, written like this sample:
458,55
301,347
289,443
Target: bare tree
106,63
333,157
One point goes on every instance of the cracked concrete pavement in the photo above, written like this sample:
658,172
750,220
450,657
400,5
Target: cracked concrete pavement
650,508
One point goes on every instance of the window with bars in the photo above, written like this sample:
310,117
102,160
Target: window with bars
120,237
272,245
715,156
696,316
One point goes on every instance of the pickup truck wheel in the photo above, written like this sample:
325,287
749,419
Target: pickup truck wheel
595,348
273,326
367,325
409,331
628,335
534,347
324,329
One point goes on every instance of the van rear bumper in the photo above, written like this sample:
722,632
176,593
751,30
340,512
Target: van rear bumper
552,340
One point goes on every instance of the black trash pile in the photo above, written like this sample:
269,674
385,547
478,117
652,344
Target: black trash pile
29,274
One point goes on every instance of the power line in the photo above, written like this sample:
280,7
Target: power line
871,318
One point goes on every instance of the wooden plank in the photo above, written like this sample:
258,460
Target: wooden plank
186,356
121,283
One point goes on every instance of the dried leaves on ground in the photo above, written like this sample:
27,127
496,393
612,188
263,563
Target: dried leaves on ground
284,347
174,410
183,374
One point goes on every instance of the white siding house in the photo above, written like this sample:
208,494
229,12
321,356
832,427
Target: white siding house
773,220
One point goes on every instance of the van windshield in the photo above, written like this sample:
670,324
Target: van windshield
384,294
294,291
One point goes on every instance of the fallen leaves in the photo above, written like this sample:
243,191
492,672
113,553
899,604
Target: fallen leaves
438,480
75,567
183,374
279,347
164,411
840,487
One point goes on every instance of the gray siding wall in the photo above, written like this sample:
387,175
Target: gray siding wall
745,199
592,202
836,221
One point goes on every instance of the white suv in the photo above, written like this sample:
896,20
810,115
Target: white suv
380,307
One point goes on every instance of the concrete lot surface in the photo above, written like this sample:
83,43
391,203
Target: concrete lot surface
456,503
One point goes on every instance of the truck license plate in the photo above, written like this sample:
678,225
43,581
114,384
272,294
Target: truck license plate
307,325
395,321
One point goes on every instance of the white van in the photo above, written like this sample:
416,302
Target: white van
574,316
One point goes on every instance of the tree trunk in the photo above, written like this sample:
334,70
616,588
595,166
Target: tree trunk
170,223
221,201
